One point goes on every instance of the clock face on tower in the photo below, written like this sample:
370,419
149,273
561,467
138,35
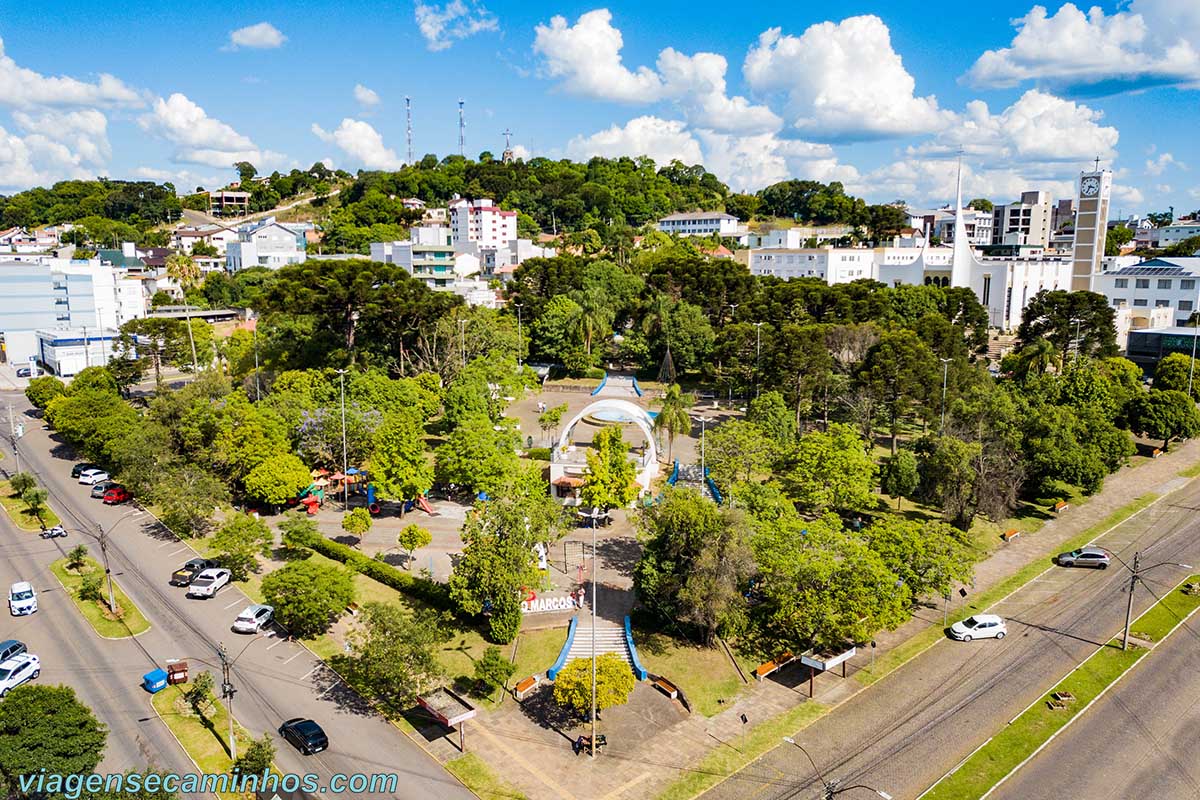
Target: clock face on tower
1090,187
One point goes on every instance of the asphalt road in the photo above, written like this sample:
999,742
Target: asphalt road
910,728
1142,739
104,673
276,679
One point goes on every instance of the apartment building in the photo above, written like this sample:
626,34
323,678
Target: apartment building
1177,231
219,236
978,224
1027,221
703,223
265,243
481,222
428,255
1155,292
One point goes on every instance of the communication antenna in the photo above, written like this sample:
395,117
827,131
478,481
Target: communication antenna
462,131
408,116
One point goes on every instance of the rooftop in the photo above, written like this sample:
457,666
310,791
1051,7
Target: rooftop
697,215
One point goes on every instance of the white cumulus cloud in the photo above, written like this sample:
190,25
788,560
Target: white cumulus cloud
199,138
1153,42
361,142
443,25
842,81
260,36
1157,166
24,88
748,163
661,139
367,98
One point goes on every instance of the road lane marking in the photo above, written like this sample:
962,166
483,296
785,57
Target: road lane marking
177,552
272,647
310,672
293,658
166,544
231,605
329,689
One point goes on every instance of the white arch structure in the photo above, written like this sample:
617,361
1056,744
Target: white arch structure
567,464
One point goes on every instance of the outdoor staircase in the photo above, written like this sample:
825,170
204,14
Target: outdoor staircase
610,638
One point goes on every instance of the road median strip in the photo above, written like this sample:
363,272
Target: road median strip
1025,736
20,514
131,622
204,739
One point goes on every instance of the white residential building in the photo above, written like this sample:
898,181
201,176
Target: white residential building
1027,221
1150,294
265,243
841,265
218,236
1176,232
481,222
21,240
428,255
978,224
703,223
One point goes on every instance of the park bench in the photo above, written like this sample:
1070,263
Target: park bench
1061,506
1010,534
1156,453
525,687
353,609
666,687
763,670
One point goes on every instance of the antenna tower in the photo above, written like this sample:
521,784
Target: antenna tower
408,116
462,131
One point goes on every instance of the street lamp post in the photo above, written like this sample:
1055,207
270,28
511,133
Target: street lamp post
1192,363
345,461
1135,574
520,341
757,357
945,372
833,788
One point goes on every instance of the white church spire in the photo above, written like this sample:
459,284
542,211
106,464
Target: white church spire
963,259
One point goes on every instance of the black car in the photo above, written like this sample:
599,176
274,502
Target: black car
305,735
82,467
188,572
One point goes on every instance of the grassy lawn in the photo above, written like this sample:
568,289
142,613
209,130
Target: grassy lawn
727,759
1190,472
206,739
472,771
1016,742
536,651
704,674
906,650
129,622
19,512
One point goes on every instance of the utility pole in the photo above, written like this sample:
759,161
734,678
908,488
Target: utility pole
103,539
945,372
345,460
1133,579
12,435
227,693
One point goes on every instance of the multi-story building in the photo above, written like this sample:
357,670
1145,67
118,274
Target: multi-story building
1177,231
703,223
1091,227
1155,292
218,236
21,240
831,265
1027,221
428,255
1062,216
225,204
978,225
481,222
265,243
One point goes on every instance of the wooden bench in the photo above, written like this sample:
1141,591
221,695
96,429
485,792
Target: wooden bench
353,609
763,670
1010,534
524,688
1061,506
666,687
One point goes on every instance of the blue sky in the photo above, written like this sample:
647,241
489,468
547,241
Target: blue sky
876,95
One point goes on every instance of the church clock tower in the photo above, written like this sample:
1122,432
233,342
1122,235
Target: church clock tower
1091,226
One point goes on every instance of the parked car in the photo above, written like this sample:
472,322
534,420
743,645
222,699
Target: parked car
100,488
82,467
208,583
24,372
54,533
188,572
980,626
93,476
117,494
22,599
253,619
18,670
1095,557
304,735
10,648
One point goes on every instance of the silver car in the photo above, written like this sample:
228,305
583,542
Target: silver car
253,619
1094,557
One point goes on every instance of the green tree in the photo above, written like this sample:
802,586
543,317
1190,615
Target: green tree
199,693
610,481
614,683
1187,247
277,479
395,653
477,456
1118,236
832,470
21,482
77,557
47,728
357,522
928,556
695,561
900,370
950,479
558,334
493,669
246,172
43,389
91,379
239,542
1082,321
551,418
258,757
737,451
771,414
885,221
35,501
1173,372
412,538
981,204
899,476
308,596
673,416
400,468
1169,415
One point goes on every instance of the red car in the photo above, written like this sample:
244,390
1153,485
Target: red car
117,494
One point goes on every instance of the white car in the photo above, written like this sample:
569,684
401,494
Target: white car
91,476
207,583
18,670
980,626
253,619
22,599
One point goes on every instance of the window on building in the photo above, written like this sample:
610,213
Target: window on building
1162,303
1142,283
1164,283
1118,302
1140,302
1121,283
1187,284
1185,305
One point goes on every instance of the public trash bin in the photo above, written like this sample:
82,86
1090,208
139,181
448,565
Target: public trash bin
155,680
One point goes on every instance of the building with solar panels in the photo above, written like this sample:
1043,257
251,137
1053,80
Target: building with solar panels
1159,293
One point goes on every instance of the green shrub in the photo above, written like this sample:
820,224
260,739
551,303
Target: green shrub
594,373
539,453
504,624
90,586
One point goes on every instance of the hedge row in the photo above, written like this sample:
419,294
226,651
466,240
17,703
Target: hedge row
431,592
